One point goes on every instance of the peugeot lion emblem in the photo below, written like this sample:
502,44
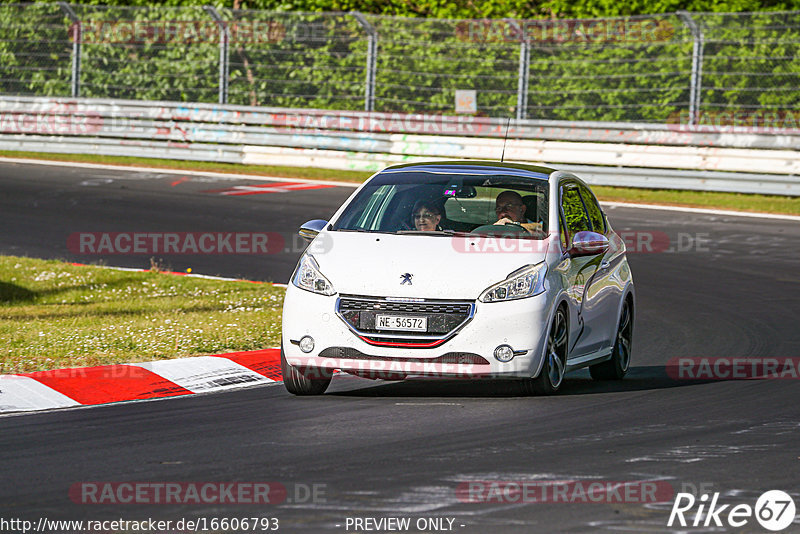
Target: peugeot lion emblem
406,278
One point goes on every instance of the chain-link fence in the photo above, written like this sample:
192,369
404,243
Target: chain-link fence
676,67
35,50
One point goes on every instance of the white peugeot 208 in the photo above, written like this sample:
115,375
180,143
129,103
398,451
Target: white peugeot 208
460,269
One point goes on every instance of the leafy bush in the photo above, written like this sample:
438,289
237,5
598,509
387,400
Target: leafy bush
623,69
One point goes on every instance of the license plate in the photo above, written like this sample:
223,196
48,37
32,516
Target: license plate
400,322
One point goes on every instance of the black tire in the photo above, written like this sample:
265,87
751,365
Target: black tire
552,374
298,383
617,366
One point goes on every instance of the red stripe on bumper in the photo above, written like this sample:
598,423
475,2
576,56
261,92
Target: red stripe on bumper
404,345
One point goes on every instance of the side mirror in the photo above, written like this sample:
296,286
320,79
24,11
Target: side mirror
587,243
310,229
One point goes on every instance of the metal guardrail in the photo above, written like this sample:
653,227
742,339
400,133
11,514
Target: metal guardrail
116,117
651,155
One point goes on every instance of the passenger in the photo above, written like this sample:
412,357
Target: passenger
427,216
510,209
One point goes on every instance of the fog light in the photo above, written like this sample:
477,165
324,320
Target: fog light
307,344
503,353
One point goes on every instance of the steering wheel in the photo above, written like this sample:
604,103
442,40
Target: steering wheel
500,230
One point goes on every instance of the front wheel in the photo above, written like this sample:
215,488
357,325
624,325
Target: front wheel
555,357
617,366
298,383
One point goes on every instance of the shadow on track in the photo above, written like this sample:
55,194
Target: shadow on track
579,383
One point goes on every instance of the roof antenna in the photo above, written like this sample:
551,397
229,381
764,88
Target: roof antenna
505,139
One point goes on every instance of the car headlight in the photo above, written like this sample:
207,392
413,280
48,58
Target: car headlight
308,277
522,283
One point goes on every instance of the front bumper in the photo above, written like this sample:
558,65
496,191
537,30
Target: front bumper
522,324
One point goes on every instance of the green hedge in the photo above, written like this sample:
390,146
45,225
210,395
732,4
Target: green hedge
497,9
626,69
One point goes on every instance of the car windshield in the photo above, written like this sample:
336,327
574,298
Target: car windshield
449,203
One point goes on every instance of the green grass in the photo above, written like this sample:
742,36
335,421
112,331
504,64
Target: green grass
55,315
702,199
727,201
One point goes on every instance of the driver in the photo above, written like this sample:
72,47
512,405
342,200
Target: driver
511,210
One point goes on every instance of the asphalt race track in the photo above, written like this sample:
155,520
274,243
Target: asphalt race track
730,287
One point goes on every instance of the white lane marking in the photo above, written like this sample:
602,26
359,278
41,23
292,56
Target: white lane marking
205,373
175,171
353,185
190,275
22,393
94,406
706,211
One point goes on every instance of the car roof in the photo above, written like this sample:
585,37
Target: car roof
475,167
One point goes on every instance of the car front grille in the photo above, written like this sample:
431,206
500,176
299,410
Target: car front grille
444,318
388,306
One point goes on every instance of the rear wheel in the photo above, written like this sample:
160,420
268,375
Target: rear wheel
308,383
554,365
617,366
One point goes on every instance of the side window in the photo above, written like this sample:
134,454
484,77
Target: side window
593,209
574,213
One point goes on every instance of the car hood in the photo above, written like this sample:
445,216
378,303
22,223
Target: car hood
359,263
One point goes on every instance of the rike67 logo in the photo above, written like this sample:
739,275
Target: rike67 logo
774,510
